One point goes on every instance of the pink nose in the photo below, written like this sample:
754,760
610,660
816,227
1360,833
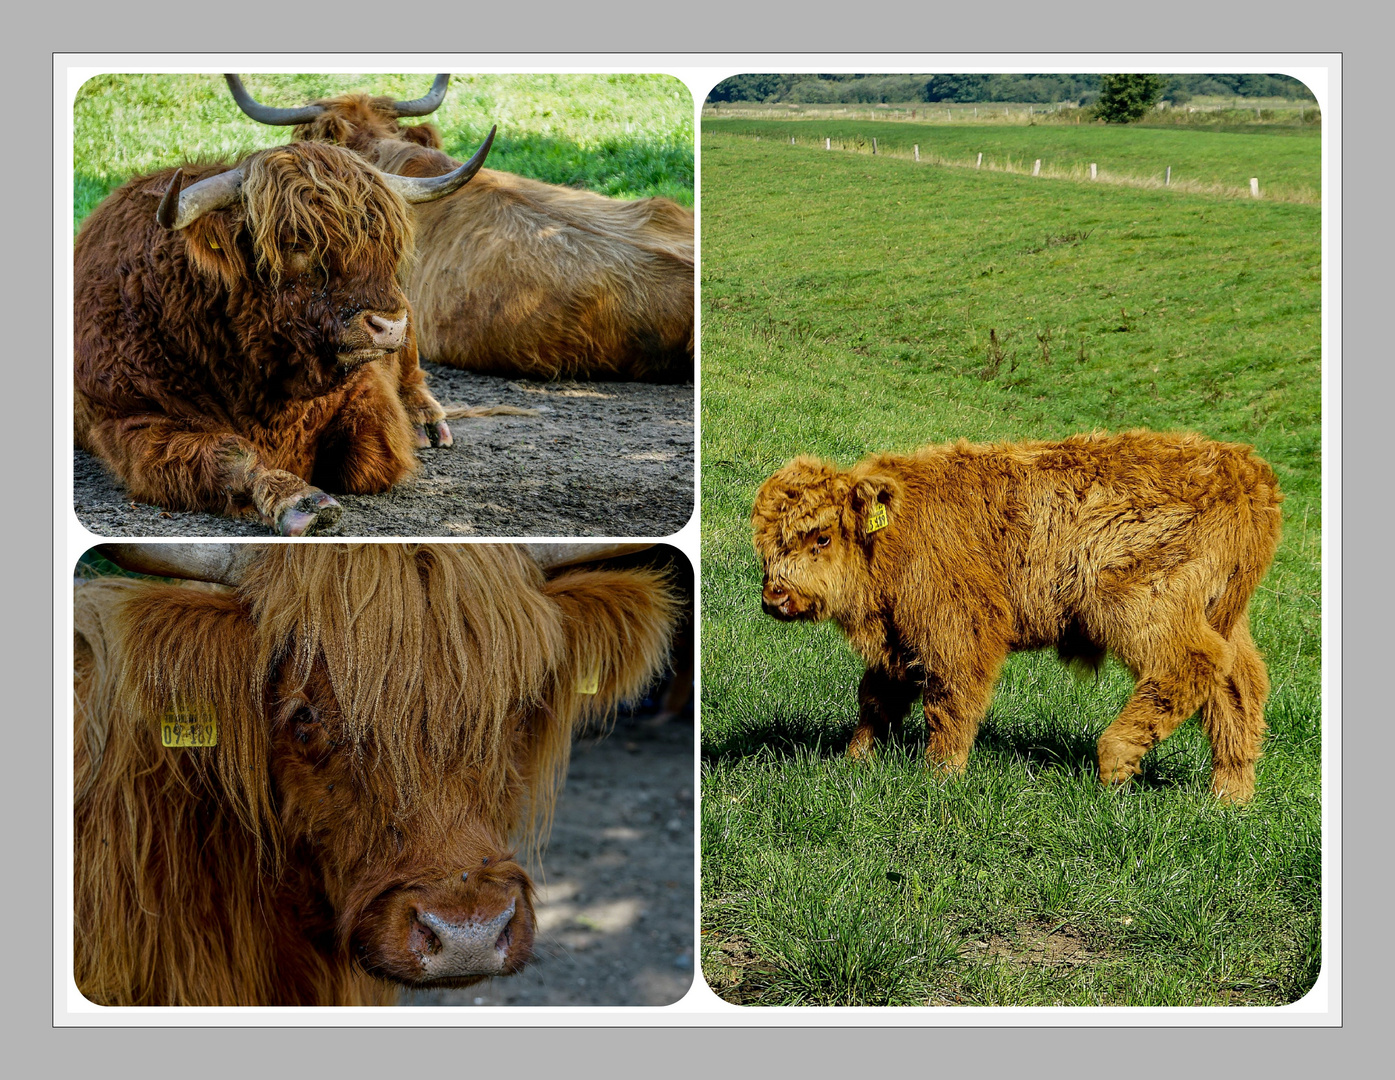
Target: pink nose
386,333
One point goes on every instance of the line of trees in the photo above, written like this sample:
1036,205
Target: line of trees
967,89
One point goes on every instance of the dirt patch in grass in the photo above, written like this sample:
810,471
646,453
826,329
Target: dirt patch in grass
600,459
735,972
1038,945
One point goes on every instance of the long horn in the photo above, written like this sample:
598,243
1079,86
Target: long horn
553,557
268,114
180,205
417,189
221,563
428,104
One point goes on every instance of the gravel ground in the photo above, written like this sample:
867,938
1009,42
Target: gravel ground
602,459
615,901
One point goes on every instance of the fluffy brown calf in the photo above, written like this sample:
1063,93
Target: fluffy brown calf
518,277
242,340
378,726
939,563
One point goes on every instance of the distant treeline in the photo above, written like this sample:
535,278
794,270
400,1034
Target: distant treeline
1081,89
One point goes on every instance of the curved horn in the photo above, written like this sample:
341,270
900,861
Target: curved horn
428,104
416,189
180,205
553,557
268,114
221,563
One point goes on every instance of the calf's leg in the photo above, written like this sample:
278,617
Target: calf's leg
882,700
1233,718
1175,676
954,708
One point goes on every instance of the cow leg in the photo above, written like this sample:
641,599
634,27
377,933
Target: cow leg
1179,674
1233,718
953,712
161,461
368,445
882,700
428,418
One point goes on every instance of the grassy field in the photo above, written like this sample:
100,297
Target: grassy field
626,136
1203,160
856,303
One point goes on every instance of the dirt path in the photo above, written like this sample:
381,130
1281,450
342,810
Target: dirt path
602,459
615,914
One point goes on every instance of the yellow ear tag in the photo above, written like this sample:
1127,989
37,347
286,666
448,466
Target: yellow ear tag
214,245
189,725
877,518
589,683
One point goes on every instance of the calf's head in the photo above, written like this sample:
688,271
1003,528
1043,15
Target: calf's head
392,723
814,530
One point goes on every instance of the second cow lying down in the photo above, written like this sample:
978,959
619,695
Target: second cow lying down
938,564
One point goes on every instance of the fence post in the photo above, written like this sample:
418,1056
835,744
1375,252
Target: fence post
917,151
874,144
1167,180
828,144
1254,187
1092,170
1036,169
979,165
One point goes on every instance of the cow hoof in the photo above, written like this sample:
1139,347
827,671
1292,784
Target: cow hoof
442,437
309,515
423,440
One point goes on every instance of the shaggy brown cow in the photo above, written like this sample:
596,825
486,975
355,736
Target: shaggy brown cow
306,788
517,277
244,341
939,563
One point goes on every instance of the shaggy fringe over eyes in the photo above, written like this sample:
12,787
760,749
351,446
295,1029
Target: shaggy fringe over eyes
330,201
803,496
416,640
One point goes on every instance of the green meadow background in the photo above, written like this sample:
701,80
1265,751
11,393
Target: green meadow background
856,303
626,136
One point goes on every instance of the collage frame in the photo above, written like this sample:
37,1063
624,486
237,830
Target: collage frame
702,1007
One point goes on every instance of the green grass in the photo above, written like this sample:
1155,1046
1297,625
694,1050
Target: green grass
1285,159
850,304
626,136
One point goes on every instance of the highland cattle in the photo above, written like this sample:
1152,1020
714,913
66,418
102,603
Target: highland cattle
303,778
242,341
517,277
939,563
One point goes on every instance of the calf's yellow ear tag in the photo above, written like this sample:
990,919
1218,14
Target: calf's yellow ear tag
877,518
189,725
588,682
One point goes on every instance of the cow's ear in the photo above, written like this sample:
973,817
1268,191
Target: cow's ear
210,245
618,626
422,134
874,502
192,695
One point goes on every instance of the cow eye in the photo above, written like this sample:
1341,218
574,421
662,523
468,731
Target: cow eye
304,725
823,541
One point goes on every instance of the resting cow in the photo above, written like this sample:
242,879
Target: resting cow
517,277
305,787
242,340
939,563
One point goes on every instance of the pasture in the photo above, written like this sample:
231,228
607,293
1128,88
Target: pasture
597,453
854,303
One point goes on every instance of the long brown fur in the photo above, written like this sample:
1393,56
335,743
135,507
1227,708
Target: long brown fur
1146,545
387,716
207,361
517,277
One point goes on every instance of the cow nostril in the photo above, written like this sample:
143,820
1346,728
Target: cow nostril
424,940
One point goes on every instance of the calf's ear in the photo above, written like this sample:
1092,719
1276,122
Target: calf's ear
873,502
618,626
211,248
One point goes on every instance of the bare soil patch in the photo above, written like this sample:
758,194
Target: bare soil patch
600,459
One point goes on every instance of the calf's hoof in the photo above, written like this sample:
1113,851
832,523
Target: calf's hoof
312,513
862,746
437,435
1233,787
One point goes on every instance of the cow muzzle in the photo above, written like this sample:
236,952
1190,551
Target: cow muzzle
372,334
454,931
779,603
